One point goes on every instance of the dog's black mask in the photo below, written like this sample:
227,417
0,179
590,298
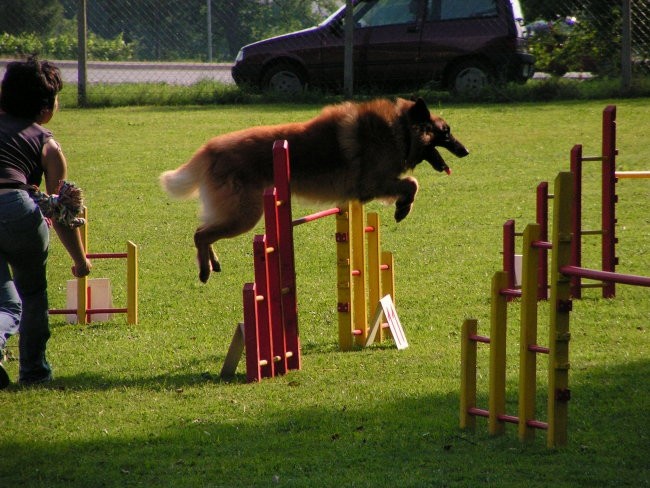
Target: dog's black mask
441,137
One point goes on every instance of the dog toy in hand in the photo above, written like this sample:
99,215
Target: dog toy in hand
64,207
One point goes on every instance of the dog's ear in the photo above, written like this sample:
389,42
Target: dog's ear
419,113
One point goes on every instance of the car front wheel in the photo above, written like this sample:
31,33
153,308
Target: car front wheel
469,78
283,79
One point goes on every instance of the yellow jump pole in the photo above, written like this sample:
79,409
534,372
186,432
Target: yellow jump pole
388,275
632,174
374,263
358,273
132,283
560,307
468,374
528,332
343,280
82,283
498,319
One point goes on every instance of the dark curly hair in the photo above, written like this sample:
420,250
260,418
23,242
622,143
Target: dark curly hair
29,87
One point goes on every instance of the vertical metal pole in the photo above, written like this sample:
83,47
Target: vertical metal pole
82,28
209,5
348,53
626,47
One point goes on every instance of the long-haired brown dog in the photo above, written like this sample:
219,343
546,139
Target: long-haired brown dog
350,151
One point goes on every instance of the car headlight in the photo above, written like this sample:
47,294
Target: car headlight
240,56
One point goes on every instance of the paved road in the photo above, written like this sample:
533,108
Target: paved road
171,73
123,72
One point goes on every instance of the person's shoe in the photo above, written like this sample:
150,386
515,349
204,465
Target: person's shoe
4,378
35,382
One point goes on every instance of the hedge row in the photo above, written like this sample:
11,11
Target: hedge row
64,46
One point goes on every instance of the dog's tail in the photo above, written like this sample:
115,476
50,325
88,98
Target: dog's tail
183,182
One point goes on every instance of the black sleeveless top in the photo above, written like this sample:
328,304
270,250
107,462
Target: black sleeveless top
21,148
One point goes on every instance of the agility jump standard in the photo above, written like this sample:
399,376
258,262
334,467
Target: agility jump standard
85,310
609,178
269,333
560,305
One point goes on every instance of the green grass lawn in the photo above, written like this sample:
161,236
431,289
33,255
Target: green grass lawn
143,405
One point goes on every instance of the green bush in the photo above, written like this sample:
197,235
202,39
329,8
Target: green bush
587,46
64,46
115,49
19,45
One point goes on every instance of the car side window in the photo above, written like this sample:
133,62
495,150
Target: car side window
453,9
386,12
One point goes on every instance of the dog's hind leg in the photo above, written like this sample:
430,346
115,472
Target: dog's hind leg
225,219
214,261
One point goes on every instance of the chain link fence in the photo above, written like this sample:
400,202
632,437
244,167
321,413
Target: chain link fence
189,42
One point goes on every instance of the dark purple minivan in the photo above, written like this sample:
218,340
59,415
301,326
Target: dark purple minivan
460,44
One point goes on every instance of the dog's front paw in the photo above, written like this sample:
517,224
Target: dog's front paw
204,275
402,211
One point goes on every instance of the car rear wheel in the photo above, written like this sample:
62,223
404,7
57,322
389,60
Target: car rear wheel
469,78
283,79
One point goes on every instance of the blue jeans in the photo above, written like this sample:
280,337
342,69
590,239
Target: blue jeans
24,242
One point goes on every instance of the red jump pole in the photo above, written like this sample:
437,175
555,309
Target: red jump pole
509,252
606,276
253,366
576,218
542,221
316,216
282,177
273,266
264,306
609,198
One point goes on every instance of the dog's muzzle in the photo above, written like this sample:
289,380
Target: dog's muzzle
453,145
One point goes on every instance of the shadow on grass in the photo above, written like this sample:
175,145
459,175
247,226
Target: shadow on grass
412,441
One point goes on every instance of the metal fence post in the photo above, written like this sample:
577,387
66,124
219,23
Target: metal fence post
82,30
626,47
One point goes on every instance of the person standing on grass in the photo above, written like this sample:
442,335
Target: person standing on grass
28,99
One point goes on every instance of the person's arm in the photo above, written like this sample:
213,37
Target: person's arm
55,168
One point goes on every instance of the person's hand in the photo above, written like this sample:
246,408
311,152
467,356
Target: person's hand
81,269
